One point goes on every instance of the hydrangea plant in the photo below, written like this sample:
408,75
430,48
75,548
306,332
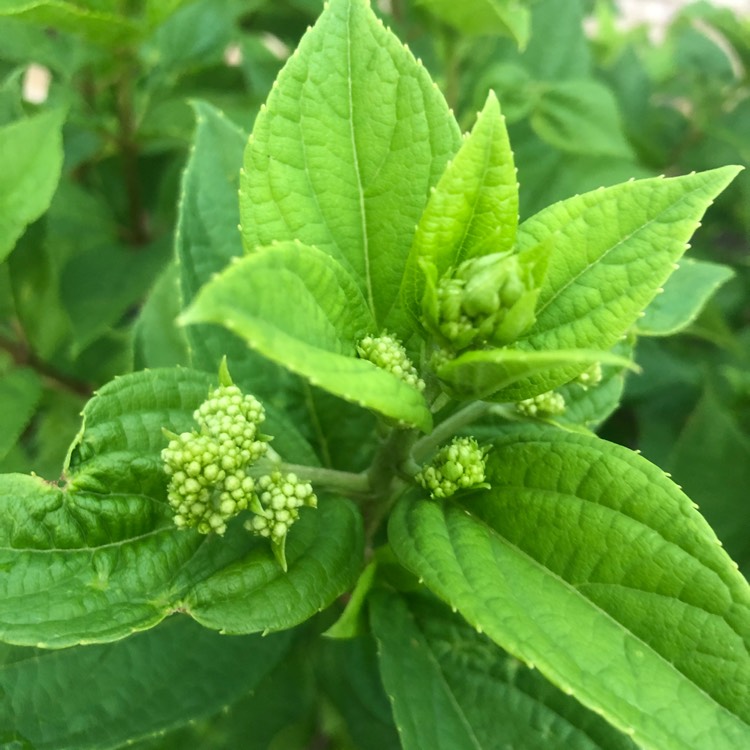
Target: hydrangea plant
419,486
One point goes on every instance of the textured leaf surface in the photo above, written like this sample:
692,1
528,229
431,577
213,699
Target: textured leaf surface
353,137
299,307
482,373
613,249
473,209
587,562
101,558
30,162
435,665
685,294
481,17
106,696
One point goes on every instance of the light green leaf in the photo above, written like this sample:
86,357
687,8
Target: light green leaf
613,249
436,665
479,17
581,116
31,157
20,392
472,211
99,558
480,374
298,306
585,561
343,157
149,683
94,25
685,294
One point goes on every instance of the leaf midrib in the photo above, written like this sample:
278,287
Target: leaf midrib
601,258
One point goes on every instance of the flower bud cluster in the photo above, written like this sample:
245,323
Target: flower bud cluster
281,496
591,377
485,300
549,404
457,466
388,353
208,480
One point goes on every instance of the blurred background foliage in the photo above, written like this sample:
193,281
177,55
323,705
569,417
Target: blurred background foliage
96,125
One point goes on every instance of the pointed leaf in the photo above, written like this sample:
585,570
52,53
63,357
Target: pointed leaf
353,137
587,562
472,211
31,156
314,336
434,664
480,374
685,294
613,249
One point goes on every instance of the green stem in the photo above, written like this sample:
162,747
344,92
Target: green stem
448,428
343,482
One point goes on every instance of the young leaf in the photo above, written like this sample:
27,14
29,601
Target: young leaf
685,294
315,336
343,157
614,248
481,17
101,557
434,664
31,154
585,561
472,211
479,374
150,683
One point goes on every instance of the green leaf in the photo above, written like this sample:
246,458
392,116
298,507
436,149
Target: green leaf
479,17
20,392
436,665
95,26
685,294
349,676
585,561
472,211
206,241
581,116
343,157
480,374
159,342
613,249
100,557
31,155
149,683
316,335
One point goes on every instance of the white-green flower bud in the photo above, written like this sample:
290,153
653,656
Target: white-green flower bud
388,353
591,377
460,465
549,404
